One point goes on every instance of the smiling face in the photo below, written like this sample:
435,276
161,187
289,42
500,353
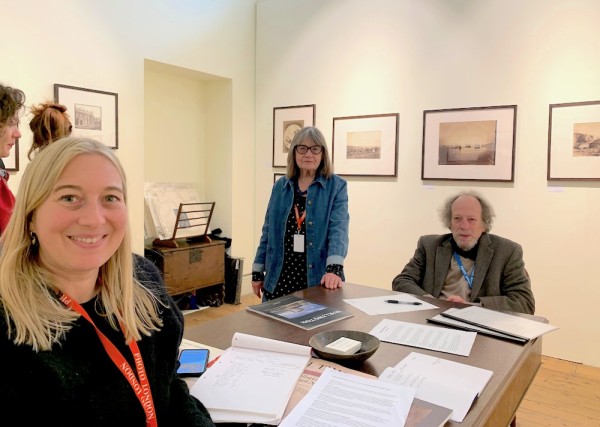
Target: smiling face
308,162
8,136
83,220
466,223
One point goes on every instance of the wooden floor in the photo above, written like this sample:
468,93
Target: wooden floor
563,393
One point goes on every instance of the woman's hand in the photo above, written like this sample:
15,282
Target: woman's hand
257,288
331,281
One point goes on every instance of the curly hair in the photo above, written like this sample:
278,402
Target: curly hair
487,212
12,101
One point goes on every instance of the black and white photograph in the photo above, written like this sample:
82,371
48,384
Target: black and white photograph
94,112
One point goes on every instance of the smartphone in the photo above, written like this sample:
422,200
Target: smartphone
193,362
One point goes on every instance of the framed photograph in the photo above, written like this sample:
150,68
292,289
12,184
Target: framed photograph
365,145
574,141
469,144
276,176
94,113
11,163
286,122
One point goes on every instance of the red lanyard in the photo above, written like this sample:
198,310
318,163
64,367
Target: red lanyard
299,219
141,388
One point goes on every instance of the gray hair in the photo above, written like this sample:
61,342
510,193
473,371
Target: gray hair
487,212
316,136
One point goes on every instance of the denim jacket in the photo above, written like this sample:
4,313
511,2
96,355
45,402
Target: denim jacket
326,239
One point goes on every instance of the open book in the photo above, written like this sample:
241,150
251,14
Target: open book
442,382
252,381
299,312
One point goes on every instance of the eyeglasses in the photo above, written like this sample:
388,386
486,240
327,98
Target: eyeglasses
303,149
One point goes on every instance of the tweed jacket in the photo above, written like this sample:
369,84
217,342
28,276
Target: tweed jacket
500,282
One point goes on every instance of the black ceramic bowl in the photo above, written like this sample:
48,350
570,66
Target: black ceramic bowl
369,345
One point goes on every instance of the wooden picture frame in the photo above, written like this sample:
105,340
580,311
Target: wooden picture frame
286,122
94,113
574,141
469,144
276,176
11,163
365,145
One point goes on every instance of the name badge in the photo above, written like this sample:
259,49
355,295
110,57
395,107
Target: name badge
298,242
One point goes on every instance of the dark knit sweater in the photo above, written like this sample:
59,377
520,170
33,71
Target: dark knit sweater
76,384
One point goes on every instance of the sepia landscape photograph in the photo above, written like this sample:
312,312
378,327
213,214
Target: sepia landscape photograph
467,143
363,145
586,139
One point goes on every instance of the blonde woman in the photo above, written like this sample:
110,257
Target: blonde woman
88,334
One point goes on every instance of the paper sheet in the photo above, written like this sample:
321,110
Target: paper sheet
440,381
342,399
377,305
422,336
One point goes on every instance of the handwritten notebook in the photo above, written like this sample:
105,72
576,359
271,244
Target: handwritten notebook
252,381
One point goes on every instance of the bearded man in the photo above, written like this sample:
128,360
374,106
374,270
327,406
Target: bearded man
469,265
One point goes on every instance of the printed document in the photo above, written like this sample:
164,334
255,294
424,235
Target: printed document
343,399
443,382
252,381
422,336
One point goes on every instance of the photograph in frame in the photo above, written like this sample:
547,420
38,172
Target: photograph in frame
286,122
469,144
11,163
574,141
365,145
93,113
276,176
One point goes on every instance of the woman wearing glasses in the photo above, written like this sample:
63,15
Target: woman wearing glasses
305,234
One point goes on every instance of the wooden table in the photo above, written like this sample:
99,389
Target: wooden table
514,365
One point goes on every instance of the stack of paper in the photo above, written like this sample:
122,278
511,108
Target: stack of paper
443,382
162,200
496,323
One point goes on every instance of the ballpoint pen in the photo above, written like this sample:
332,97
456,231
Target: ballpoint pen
394,301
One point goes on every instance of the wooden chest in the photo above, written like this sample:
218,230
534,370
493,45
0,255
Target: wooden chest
190,266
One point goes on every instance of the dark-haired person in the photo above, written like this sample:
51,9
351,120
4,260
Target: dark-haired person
50,122
305,234
12,102
469,265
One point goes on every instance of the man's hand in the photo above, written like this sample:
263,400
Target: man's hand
456,298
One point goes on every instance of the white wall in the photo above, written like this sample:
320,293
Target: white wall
187,122
352,57
103,45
